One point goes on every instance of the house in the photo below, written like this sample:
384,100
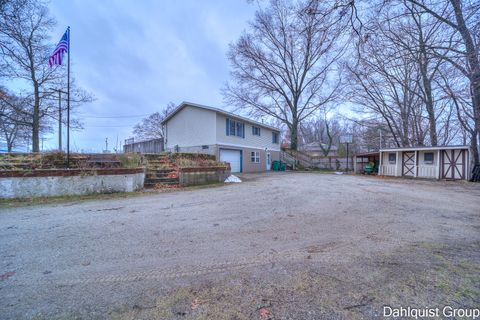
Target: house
249,146
442,162
314,150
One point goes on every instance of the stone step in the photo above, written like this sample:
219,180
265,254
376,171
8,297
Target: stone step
161,175
158,161
162,180
155,184
161,167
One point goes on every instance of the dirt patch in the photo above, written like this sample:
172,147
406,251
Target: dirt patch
421,275
298,246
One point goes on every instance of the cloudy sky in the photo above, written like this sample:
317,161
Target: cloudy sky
136,56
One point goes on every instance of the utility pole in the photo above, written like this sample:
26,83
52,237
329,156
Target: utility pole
380,130
60,117
59,120
106,144
42,139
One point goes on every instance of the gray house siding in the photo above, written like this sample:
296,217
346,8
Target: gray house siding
201,129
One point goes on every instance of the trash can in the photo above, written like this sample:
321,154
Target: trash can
283,166
276,165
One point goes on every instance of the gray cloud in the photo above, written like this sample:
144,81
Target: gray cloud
136,56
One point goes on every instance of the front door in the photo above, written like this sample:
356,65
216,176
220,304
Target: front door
269,161
408,164
453,164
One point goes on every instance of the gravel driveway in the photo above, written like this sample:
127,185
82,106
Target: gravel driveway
287,245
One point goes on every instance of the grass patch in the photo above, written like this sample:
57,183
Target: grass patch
316,170
25,202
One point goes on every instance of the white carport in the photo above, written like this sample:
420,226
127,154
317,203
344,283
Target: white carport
444,162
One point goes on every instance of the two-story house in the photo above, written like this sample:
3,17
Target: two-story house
248,146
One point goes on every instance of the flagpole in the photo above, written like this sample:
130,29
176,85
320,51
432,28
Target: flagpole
68,101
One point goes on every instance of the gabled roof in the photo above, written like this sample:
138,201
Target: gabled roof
226,113
315,146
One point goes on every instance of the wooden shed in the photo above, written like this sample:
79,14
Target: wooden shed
445,162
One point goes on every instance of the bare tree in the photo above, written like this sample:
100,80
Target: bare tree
323,130
24,28
14,125
384,85
25,47
151,126
285,66
464,20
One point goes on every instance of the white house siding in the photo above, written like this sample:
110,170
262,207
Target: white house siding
191,127
264,141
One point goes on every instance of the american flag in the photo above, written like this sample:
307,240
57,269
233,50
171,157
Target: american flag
61,48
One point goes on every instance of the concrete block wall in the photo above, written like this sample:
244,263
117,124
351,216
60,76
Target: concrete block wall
192,178
52,186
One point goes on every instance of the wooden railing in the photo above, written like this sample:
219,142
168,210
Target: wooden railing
295,157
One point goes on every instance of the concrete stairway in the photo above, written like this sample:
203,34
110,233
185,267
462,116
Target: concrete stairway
160,171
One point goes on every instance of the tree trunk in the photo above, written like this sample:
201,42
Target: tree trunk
474,147
427,87
36,120
294,135
473,65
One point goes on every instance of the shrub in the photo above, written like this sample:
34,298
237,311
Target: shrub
130,160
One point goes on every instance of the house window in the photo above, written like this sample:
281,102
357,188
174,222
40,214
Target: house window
235,128
392,158
255,131
428,157
255,156
274,137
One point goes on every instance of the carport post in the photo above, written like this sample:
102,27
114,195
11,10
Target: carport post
438,164
380,163
415,173
347,157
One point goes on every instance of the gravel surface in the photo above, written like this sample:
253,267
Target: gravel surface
280,245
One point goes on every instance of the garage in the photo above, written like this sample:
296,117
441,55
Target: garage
234,157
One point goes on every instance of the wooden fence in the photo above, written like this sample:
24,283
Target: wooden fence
294,158
335,163
149,146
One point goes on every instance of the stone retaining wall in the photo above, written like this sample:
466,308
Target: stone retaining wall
68,182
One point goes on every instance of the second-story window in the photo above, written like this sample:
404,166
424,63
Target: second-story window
274,137
255,131
235,128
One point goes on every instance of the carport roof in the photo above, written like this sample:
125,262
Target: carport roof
370,153
425,148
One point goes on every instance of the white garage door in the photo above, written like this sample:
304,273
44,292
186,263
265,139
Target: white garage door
233,157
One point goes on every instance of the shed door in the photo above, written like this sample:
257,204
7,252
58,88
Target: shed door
408,164
233,157
453,164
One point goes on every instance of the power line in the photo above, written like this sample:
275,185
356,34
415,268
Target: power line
116,117
106,126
